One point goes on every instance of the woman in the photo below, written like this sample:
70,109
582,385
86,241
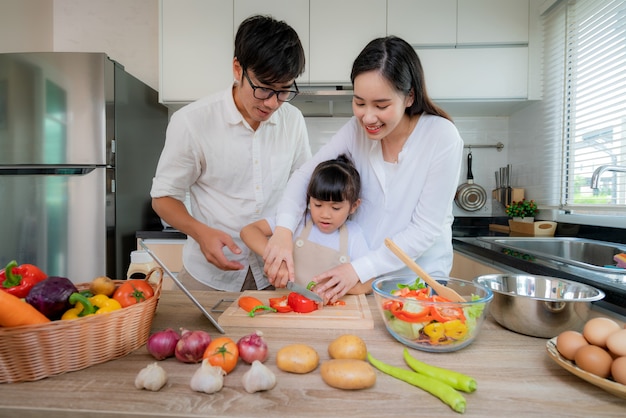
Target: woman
408,153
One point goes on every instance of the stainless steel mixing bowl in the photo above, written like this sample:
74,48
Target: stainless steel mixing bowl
539,306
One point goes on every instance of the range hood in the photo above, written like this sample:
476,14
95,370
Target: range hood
324,101
312,92
329,101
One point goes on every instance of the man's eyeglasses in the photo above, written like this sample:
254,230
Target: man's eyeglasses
264,93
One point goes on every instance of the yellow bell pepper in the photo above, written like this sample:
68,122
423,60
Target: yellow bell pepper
455,329
95,305
435,330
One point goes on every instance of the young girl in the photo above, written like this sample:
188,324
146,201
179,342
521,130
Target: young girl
324,238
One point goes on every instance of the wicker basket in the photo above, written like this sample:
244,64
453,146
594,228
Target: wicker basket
32,352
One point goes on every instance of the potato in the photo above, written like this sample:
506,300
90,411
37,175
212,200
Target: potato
348,346
102,286
348,374
297,358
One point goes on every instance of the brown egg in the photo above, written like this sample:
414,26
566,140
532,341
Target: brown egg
568,342
597,330
618,370
594,359
616,343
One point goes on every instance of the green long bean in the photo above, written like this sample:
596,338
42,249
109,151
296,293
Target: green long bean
435,387
457,380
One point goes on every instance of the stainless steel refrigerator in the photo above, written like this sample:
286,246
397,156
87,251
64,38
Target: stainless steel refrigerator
79,142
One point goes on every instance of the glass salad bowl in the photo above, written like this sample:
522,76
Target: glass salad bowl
420,319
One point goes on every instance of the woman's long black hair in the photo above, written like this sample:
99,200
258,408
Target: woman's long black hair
398,63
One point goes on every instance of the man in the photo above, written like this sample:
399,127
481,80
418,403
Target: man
233,152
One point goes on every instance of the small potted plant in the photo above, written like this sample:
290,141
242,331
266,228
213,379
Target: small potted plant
522,211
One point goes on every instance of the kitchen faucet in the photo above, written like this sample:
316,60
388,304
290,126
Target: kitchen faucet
595,177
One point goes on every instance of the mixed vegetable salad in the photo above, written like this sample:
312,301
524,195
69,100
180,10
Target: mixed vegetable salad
419,319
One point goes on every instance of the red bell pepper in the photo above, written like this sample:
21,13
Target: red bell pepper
18,280
280,304
300,303
446,313
396,308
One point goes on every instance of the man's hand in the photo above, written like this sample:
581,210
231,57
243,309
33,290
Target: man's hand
212,241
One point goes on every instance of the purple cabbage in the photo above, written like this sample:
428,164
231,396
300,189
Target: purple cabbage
51,296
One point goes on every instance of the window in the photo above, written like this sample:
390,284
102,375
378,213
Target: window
585,87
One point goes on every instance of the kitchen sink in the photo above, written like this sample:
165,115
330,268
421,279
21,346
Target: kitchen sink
586,253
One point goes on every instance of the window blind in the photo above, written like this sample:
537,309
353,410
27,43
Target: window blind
585,101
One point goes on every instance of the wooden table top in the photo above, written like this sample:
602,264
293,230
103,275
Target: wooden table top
515,378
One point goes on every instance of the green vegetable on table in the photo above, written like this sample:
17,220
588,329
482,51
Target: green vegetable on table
444,392
457,380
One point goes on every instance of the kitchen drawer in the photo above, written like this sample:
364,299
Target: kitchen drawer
467,268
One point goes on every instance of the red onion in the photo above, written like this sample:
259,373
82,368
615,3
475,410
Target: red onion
162,344
253,347
191,346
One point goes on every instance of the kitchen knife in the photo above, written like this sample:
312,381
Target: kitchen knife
502,187
509,190
298,288
497,191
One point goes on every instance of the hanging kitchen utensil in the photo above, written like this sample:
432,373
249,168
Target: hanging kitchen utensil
470,196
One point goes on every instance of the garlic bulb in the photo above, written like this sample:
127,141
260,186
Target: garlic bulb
258,378
208,378
152,377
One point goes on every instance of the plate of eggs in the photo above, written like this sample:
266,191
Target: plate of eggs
597,355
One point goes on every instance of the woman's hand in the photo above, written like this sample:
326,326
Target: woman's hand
336,282
279,250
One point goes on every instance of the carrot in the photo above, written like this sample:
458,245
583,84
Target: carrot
251,305
14,312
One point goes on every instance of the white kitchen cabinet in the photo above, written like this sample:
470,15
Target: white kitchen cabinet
294,12
196,48
470,49
492,22
339,31
459,22
423,22
476,73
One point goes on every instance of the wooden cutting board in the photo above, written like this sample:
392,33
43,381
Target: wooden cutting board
355,314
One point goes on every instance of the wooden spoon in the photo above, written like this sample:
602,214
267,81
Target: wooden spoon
441,290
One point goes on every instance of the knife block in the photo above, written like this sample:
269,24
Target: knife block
517,194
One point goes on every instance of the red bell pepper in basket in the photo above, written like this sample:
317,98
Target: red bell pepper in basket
18,280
